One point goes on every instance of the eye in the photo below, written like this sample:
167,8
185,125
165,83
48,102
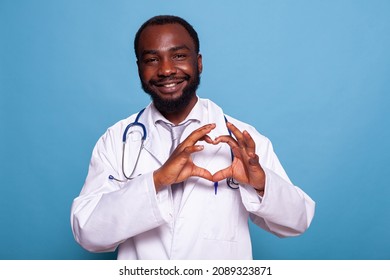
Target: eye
150,60
180,56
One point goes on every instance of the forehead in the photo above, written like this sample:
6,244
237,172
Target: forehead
164,37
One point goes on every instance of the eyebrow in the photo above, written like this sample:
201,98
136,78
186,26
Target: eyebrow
173,49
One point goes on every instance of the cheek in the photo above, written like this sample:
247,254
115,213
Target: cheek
189,69
145,74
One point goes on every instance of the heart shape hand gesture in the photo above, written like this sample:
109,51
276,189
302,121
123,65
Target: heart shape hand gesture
244,169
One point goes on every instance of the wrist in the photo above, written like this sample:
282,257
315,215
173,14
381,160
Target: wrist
260,186
260,192
157,180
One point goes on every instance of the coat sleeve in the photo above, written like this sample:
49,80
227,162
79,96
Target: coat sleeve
284,210
107,212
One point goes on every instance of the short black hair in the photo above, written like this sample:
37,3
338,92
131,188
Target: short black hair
167,19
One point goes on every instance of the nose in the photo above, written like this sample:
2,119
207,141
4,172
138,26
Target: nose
167,68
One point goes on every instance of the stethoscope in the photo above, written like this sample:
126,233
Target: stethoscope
229,181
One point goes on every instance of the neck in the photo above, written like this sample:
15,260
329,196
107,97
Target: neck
180,115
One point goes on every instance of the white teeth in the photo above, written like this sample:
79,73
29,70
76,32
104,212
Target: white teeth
170,85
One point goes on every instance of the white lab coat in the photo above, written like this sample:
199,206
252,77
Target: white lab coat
108,214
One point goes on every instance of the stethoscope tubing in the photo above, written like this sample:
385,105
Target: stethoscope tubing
135,123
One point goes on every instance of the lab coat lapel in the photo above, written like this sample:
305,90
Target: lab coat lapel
152,146
152,140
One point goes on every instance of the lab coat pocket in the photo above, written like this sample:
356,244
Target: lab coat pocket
222,214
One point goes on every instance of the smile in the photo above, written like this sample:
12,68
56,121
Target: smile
170,85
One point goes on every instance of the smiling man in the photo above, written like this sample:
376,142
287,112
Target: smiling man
180,179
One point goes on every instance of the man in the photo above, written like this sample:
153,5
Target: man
153,200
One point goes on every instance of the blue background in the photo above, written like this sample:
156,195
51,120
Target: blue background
313,76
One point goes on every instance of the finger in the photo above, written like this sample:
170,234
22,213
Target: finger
190,150
253,159
238,134
201,172
222,174
198,134
207,139
239,153
250,143
228,140
184,153
244,139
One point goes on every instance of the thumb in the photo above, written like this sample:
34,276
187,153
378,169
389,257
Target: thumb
222,174
202,172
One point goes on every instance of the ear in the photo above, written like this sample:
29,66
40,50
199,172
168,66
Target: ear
200,63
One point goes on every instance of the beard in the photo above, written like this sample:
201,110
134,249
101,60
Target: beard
177,104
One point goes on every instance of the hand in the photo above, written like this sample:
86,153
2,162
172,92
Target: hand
245,167
179,166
